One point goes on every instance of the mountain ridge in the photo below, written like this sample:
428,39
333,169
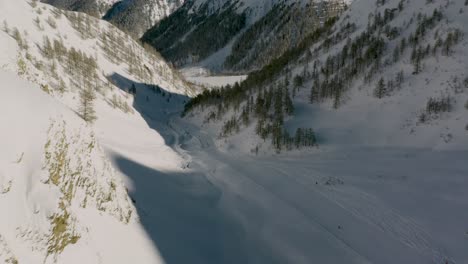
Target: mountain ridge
238,24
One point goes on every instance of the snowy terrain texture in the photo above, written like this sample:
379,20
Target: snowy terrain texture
142,185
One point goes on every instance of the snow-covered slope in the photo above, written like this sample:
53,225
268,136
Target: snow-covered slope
51,40
185,37
61,198
137,16
386,182
387,75
91,7
386,185
133,16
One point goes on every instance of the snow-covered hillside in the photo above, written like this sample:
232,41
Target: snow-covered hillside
60,197
349,148
370,114
137,16
91,7
392,74
249,34
51,41
62,200
132,16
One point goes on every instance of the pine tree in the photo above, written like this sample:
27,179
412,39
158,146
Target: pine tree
277,135
310,138
86,108
288,103
399,79
314,91
278,105
416,57
396,54
298,138
298,81
448,44
380,89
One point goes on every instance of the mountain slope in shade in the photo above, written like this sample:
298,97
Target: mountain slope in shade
249,34
387,74
137,16
132,16
92,7
384,89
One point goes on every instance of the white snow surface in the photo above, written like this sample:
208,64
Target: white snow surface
375,191
202,77
53,165
28,198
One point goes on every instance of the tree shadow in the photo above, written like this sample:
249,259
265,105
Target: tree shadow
179,210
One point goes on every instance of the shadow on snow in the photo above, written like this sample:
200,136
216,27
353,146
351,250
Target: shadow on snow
179,211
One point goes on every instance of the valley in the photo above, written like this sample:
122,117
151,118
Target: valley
326,205
222,131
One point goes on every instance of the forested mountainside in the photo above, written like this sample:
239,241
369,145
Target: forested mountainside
92,7
133,16
137,16
249,34
387,72
68,87
345,143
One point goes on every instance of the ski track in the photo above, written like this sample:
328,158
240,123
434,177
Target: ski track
273,184
369,209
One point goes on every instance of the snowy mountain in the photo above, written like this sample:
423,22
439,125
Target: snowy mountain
278,25
391,73
348,145
133,16
137,16
92,7
369,119
61,196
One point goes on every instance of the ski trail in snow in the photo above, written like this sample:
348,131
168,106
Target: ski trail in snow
264,195
374,212
370,209
269,196
326,229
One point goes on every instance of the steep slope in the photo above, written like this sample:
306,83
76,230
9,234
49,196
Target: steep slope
133,16
137,16
60,196
63,199
185,37
384,186
57,47
381,177
91,7
391,73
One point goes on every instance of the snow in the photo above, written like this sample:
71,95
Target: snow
34,123
202,77
351,204
380,188
29,200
